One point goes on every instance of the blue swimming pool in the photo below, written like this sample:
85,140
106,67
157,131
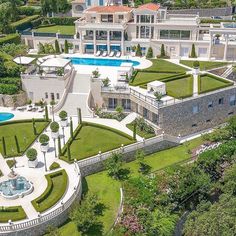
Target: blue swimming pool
101,61
5,116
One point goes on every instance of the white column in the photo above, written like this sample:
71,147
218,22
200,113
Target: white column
210,46
108,41
122,43
226,47
94,42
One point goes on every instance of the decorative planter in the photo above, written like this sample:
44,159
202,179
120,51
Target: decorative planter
44,147
55,135
71,51
64,123
133,54
33,164
196,71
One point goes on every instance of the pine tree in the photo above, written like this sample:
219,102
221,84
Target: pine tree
163,53
34,127
149,53
4,147
193,51
17,144
66,47
57,47
138,51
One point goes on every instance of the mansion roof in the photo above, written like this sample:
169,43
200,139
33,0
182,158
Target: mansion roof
109,9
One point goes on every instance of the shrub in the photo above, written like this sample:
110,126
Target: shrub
138,52
10,38
149,53
196,64
54,126
163,53
54,166
57,48
14,49
193,51
62,21
43,139
32,154
28,11
8,89
106,82
66,47
23,24
63,115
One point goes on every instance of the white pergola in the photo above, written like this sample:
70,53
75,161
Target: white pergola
24,60
53,64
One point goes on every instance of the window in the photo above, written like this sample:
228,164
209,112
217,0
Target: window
231,113
126,104
145,112
52,96
89,3
137,31
232,100
154,118
145,19
195,109
101,3
194,125
210,104
58,96
128,49
221,101
209,120
112,103
175,34
46,95
121,17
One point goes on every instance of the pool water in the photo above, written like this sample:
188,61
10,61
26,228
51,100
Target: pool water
101,61
5,116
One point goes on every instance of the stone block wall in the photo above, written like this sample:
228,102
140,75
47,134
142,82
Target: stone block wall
13,100
130,156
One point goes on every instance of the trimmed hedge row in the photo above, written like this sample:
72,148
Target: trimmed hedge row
227,83
62,21
57,190
23,24
10,38
9,89
54,166
13,213
22,121
216,21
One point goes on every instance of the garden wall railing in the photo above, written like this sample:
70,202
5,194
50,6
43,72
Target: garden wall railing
129,148
46,217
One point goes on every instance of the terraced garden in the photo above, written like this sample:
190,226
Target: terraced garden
14,213
63,29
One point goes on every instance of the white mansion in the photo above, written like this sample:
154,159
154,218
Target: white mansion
119,28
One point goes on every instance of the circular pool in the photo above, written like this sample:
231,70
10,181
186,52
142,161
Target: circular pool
5,116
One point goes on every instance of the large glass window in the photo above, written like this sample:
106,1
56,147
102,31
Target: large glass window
145,19
112,103
232,100
146,32
175,34
126,104
107,18
137,31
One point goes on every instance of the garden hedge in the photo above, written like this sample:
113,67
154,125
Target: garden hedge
13,213
10,38
54,166
62,21
23,24
55,192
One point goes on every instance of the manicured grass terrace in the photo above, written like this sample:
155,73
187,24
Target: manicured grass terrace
204,65
141,133
56,187
108,189
207,83
93,138
24,132
64,29
14,213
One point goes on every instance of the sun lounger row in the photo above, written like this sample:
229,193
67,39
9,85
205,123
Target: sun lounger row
206,148
105,53
30,108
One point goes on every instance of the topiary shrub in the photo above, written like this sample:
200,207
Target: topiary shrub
32,154
43,139
57,47
196,64
54,126
54,166
63,115
138,52
66,47
193,51
149,53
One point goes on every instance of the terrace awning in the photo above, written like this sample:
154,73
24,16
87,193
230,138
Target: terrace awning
24,60
56,63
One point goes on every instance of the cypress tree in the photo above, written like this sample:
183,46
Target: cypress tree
68,151
17,144
135,130
193,51
71,128
66,47
79,116
4,147
138,51
149,53
57,47
163,53
34,126
46,113
59,146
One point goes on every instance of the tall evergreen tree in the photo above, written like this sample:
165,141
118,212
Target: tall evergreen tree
57,47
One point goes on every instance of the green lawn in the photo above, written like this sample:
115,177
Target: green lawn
142,134
92,139
24,133
145,77
64,29
180,88
204,65
14,213
108,189
209,83
163,65
56,187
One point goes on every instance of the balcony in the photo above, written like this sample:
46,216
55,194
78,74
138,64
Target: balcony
115,38
101,37
88,37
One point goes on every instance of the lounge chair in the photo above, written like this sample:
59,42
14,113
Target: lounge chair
112,54
104,54
29,108
118,54
41,109
98,53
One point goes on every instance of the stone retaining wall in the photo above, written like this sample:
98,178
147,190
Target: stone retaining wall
13,100
129,156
